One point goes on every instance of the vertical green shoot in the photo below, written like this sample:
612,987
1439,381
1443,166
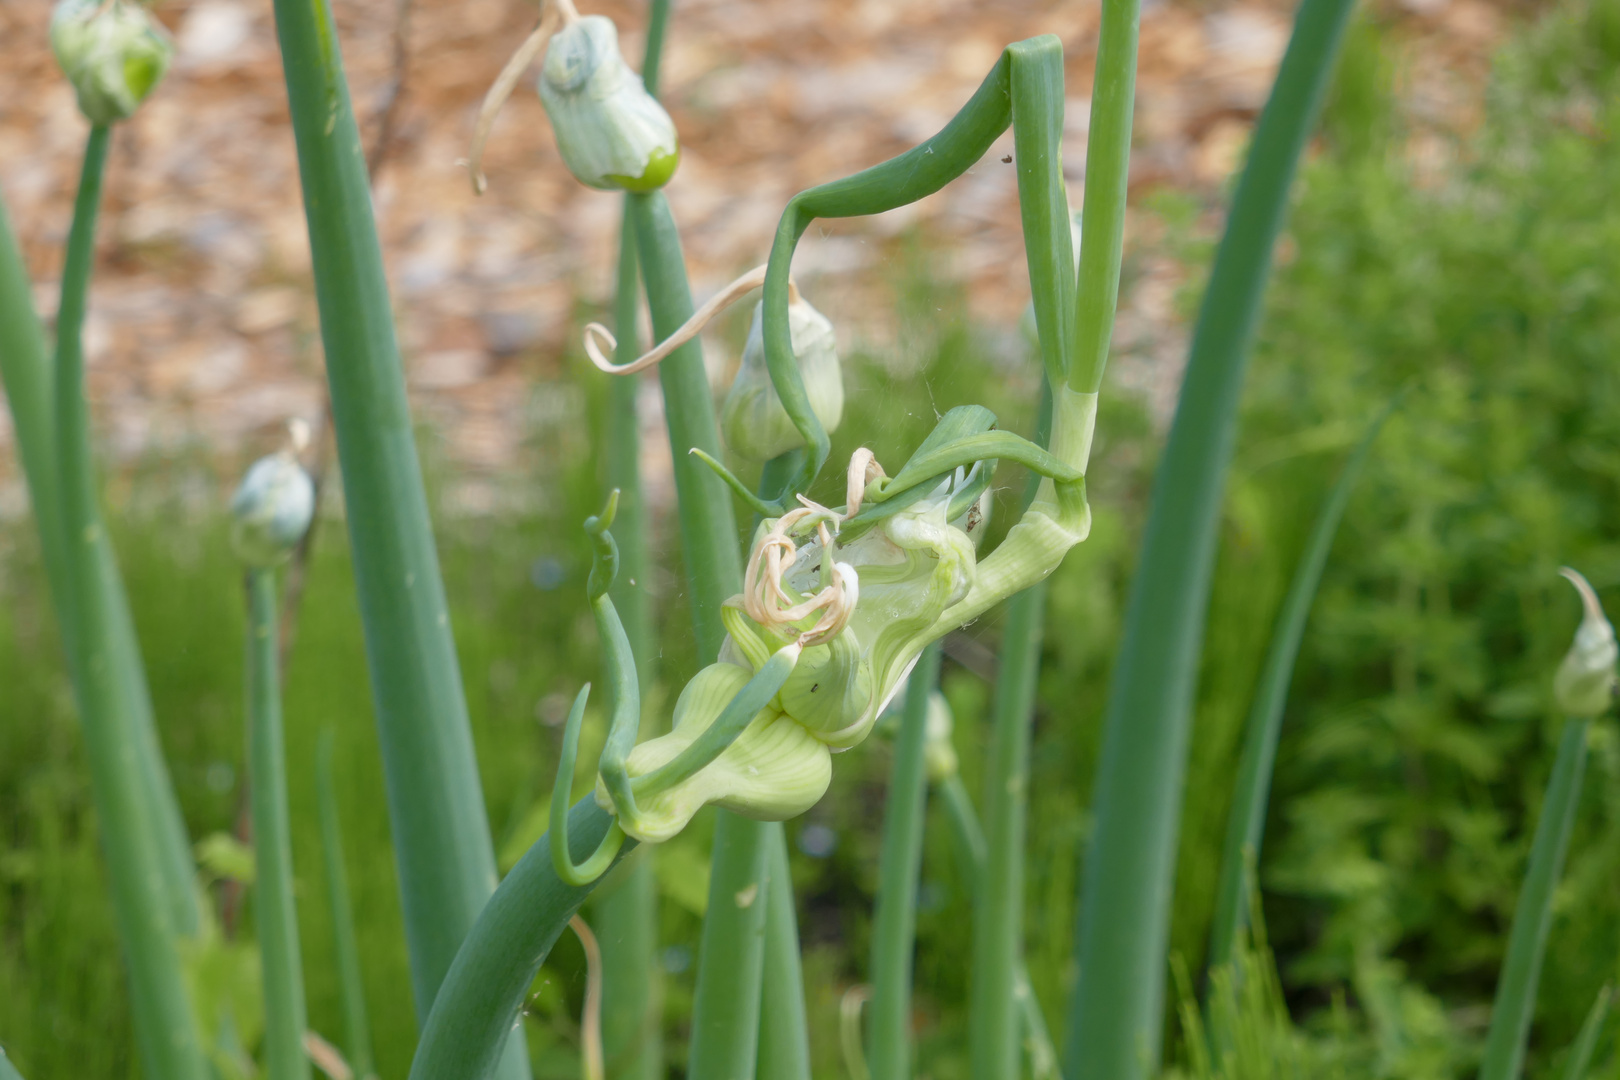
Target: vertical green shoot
1579,1061
1247,822
784,1038
1117,1009
894,923
275,913
345,947
1532,918
134,813
441,834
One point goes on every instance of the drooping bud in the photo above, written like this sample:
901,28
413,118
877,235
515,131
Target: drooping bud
611,133
753,421
272,510
1585,684
113,54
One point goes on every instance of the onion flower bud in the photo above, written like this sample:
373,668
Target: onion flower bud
753,421
272,510
113,54
1585,684
612,134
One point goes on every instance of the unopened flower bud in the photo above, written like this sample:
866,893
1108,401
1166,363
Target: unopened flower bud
753,421
1585,684
611,133
939,753
272,510
113,54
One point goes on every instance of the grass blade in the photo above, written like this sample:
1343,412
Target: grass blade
1532,918
480,1002
1247,822
345,946
784,1038
275,914
1117,1008
1580,1052
436,807
894,924
137,815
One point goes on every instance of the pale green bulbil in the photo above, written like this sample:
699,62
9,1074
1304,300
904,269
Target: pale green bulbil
939,753
113,54
612,134
1585,684
831,683
271,511
774,770
752,420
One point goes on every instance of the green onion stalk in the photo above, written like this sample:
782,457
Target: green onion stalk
442,844
1117,1007
626,909
345,944
1583,690
1579,1059
135,803
894,922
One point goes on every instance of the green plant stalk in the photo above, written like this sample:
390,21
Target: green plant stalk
27,375
1117,1008
1247,821
480,1002
627,910
731,954
1532,918
441,833
998,907
345,945
275,912
133,820
894,923
784,1039
1580,1052
967,836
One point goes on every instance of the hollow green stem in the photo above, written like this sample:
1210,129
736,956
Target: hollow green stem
626,907
894,923
275,912
1247,821
135,814
345,948
731,954
1532,918
1580,1052
441,836
478,1006
1102,217
1117,1007
784,1038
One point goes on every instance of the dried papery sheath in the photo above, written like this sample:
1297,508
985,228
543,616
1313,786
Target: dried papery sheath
113,54
271,510
611,133
752,420
1585,684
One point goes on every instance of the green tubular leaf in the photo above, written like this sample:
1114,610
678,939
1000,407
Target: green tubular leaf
784,1039
275,914
597,862
708,524
346,950
133,798
1116,1010
1247,821
477,1009
441,834
726,1005
1580,1052
969,451
1532,918
1037,120
894,922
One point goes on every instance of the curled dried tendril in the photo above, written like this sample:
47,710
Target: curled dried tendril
600,342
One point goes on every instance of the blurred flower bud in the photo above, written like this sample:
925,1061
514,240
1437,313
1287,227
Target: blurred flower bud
272,510
113,54
753,421
611,133
1585,684
939,753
